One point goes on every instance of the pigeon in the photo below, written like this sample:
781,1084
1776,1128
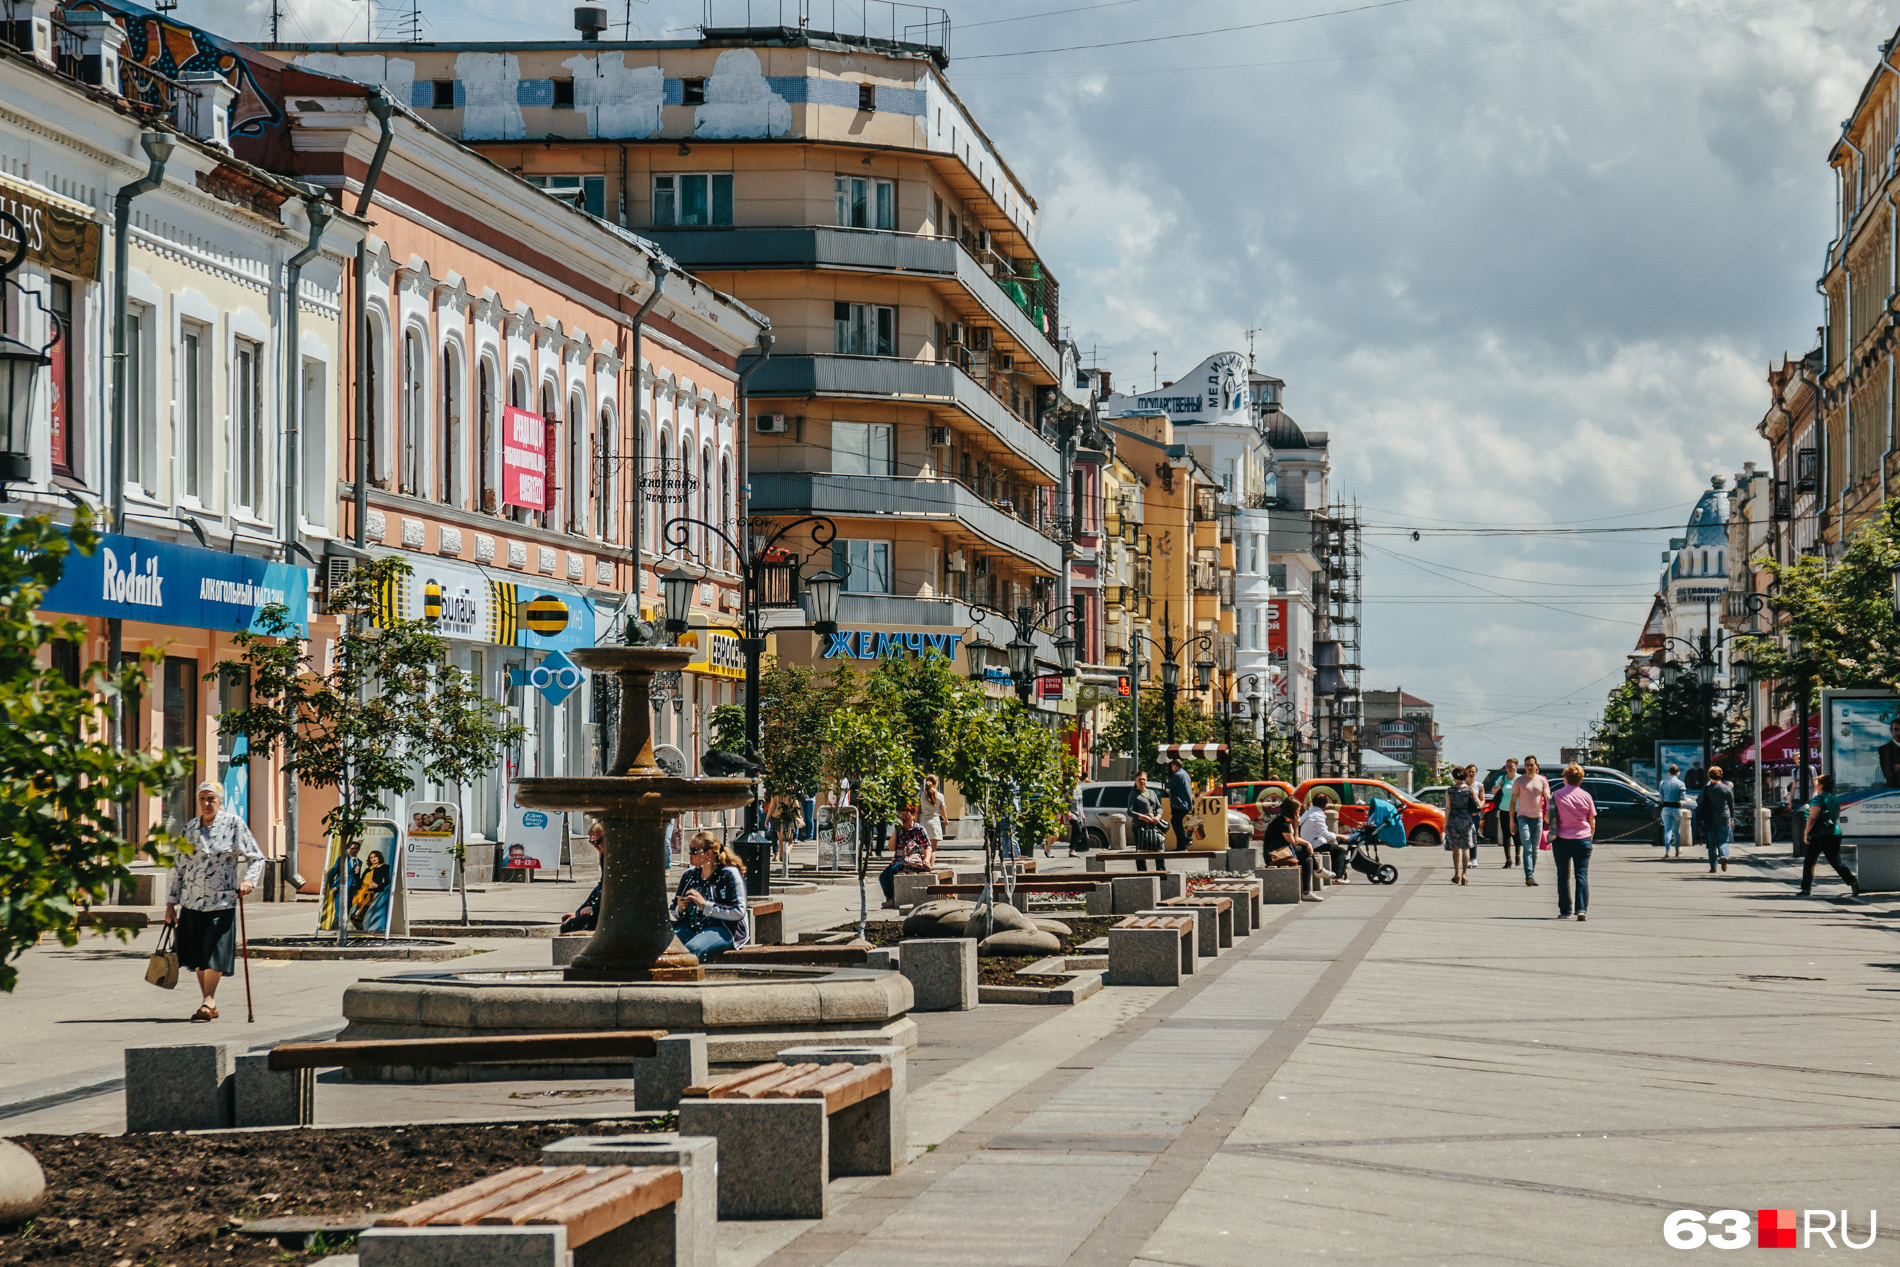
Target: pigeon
727,765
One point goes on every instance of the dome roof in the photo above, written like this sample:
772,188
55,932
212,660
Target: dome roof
1706,525
1283,432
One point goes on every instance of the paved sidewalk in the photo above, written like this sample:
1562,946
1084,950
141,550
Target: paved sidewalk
1429,1074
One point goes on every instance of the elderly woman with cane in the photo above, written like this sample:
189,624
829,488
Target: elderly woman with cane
224,864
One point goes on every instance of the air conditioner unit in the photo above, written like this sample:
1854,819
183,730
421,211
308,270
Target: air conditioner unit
939,437
769,424
955,562
982,239
956,332
337,569
1003,362
979,338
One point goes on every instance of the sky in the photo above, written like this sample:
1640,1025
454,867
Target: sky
1526,264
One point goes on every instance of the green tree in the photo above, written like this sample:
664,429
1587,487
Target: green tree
1843,613
62,780
934,702
869,746
1191,725
387,706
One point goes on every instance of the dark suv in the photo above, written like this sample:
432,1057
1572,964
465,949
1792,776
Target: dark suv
1626,810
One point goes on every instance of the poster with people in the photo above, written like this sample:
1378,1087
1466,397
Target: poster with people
434,834
533,844
1860,747
362,879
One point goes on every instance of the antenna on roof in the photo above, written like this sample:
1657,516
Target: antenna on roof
403,25
1251,332
1157,369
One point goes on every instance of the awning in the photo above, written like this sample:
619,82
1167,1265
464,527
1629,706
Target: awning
1781,747
1192,751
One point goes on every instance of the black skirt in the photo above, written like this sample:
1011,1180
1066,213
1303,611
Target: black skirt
207,939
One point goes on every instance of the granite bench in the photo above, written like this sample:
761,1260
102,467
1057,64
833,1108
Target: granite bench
768,921
1099,860
1151,950
1217,931
561,1216
777,1125
1246,895
908,887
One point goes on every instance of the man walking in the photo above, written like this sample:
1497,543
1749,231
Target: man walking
1507,834
1672,789
206,883
1180,800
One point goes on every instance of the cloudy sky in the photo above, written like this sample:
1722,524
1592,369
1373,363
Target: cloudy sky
1527,264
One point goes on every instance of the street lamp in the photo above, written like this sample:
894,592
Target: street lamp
1672,672
676,588
1203,674
1065,654
824,589
1170,677
1253,705
1022,659
978,649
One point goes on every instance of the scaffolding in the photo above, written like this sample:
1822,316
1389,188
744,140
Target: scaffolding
1337,593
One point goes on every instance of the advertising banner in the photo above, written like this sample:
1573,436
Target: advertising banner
164,584
363,881
1207,823
467,605
524,460
1685,754
435,829
532,843
1860,747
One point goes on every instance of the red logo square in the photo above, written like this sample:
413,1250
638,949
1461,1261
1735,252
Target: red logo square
1774,1229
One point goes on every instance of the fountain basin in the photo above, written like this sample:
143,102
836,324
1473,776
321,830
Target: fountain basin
748,1014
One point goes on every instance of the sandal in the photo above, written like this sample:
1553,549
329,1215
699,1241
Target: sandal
207,1011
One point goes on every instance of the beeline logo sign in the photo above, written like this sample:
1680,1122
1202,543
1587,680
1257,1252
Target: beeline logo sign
1774,1229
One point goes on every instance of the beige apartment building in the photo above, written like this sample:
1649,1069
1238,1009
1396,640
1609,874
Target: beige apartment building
840,187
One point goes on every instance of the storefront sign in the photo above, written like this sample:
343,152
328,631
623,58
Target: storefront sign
524,461
866,644
1215,388
1701,593
164,584
58,236
467,605
715,654
533,840
555,677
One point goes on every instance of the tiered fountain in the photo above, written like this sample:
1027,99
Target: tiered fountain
634,974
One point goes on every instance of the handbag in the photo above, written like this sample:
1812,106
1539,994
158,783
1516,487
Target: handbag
162,968
1543,837
1281,857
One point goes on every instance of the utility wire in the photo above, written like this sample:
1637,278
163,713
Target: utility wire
1553,523
1186,35
1561,611
1047,13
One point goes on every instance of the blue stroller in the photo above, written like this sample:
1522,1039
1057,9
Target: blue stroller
1382,824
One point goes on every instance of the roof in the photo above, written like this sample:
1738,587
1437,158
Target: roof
1406,698
1283,432
1373,759
1706,525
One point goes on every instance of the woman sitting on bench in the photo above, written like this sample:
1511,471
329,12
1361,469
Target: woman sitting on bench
710,915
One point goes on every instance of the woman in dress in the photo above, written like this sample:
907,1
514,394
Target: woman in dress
1464,808
931,810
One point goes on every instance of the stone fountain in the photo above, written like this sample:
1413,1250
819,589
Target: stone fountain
634,974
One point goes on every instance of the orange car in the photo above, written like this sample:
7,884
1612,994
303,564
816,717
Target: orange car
1424,824
1256,798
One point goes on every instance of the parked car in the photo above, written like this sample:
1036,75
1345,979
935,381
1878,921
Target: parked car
1434,795
1627,809
1257,798
1424,824
1103,801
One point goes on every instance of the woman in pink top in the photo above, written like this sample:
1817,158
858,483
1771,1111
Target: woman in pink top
1576,815
1530,801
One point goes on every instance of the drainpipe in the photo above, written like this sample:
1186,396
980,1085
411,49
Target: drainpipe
382,108
158,148
317,212
638,524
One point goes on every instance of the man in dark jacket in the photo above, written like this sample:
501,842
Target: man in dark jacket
1715,817
1180,800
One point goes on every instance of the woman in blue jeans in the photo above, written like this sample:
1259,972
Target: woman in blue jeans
1715,818
1575,812
709,907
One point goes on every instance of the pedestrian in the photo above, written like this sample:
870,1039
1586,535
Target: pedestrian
1144,810
1463,812
1715,817
1575,814
1672,788
710,915
786,813
1507,834
1322,839
205,890
1697,778
913,851
1078,830
932,811
1180,800
1823,836
1530,801
1282,833
585,918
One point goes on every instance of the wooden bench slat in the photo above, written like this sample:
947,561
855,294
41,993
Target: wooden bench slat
870,1080
503,1049
792,1089
420,1213
706,1090
518,1212
472,1211
758,1087
603,1209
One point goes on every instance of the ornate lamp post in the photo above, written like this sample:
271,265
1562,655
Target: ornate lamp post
1059,620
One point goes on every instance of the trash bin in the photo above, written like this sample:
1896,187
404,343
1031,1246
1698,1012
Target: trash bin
755,851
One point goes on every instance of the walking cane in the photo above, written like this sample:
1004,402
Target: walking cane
244,939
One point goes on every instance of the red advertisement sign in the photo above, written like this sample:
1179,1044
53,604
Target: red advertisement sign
1276,645
524,460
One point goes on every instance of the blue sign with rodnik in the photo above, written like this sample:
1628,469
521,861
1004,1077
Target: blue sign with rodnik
165,584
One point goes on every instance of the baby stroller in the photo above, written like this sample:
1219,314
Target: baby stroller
1382,823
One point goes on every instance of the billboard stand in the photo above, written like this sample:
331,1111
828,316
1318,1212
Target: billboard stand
364,893
1860,747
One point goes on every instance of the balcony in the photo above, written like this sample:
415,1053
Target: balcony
911,498
921,382
1011,303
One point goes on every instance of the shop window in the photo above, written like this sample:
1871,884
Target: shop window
141,419
564,97
865,566
864,329
247,423
687,199
411,449
314,423
181,735
862,448
863,203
